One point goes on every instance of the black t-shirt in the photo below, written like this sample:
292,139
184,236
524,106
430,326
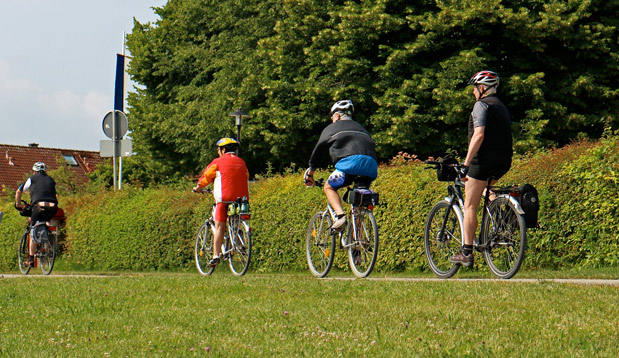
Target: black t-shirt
496,149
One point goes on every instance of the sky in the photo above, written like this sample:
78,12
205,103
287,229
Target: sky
57,68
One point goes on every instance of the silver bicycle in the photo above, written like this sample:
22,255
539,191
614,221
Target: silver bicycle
236,248
359,238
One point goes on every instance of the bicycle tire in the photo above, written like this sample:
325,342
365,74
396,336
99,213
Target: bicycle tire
363,252
47,256
320,244
203,249
439,247
240,256
505,232
22,253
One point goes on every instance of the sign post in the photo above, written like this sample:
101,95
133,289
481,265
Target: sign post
115,126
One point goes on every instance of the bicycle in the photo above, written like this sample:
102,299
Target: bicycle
45,254
359,238
236,248
502,236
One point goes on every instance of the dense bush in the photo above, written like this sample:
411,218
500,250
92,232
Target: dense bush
147,229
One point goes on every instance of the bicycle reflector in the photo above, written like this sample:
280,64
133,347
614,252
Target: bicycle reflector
245,217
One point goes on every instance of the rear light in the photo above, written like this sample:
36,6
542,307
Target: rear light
370,207
51,228
245,217
514,194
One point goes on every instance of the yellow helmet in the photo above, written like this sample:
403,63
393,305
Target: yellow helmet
225,142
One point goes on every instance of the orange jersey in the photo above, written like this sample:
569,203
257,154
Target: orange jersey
229,176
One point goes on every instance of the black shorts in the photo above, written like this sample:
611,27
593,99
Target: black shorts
484,172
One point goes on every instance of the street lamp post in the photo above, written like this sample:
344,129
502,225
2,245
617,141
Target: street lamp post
239,115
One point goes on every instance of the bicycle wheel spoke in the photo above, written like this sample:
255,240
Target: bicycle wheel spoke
241,248
442,241
505,233
203,250
363,253
320,245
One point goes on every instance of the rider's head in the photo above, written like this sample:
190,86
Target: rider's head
343,108
485,82
227,145
39,167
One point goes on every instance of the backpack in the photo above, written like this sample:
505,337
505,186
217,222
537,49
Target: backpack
529,201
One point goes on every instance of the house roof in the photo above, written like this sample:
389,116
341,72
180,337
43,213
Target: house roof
16,162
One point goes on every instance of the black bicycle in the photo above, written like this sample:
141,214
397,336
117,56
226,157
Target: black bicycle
502,236
45,255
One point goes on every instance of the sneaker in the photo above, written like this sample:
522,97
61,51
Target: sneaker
214,262
339,223
28,263
462,259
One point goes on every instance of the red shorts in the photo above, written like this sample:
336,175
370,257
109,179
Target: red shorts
220,212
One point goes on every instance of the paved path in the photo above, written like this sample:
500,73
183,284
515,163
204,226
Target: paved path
573,281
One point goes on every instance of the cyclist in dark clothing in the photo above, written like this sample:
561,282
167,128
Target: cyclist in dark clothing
43,200
353,152
489,153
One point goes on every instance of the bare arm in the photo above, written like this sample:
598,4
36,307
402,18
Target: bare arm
475,144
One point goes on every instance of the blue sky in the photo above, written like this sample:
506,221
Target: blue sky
57,67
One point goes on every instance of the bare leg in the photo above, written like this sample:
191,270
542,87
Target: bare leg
218,237
473,189
334,199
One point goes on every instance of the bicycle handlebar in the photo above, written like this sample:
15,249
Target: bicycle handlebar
202,190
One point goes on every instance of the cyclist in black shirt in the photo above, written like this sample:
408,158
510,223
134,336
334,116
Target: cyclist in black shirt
43,199
353,152
489,153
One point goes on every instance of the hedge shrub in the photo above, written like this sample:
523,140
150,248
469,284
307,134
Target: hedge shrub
153,229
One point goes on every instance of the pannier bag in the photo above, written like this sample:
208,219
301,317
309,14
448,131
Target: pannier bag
529,201
446,172
361,197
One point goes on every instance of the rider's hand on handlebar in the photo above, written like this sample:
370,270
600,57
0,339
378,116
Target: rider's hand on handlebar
19,207
308,178
463,171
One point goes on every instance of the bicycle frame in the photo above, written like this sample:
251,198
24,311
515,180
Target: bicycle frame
456,200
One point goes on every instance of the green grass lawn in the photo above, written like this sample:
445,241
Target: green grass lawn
288,315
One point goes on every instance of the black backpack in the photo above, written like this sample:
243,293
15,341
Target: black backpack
529,201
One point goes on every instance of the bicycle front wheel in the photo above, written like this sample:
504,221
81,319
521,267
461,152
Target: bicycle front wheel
505,235
320,244
442,239
363,252
48,254
241,252
203,250
22,253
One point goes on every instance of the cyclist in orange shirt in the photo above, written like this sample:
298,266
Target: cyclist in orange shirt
230,179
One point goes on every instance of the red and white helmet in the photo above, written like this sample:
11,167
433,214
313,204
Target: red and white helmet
486,78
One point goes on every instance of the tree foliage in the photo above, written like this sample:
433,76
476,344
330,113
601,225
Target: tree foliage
404,64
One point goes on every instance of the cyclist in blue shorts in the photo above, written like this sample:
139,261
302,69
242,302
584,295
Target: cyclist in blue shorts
353,152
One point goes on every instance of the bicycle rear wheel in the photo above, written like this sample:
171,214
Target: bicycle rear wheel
505,234
241,252
363,252
48,254
22,253
203,250
442,241
320,244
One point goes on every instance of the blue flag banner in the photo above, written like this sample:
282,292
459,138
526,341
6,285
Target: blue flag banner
119,89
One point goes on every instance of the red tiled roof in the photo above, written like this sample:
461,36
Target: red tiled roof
16,162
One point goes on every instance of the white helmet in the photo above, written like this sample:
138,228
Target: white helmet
344,106
486,78
39,167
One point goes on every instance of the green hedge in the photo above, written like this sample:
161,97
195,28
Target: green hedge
152,229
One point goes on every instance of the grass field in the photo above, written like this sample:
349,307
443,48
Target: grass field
295,315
